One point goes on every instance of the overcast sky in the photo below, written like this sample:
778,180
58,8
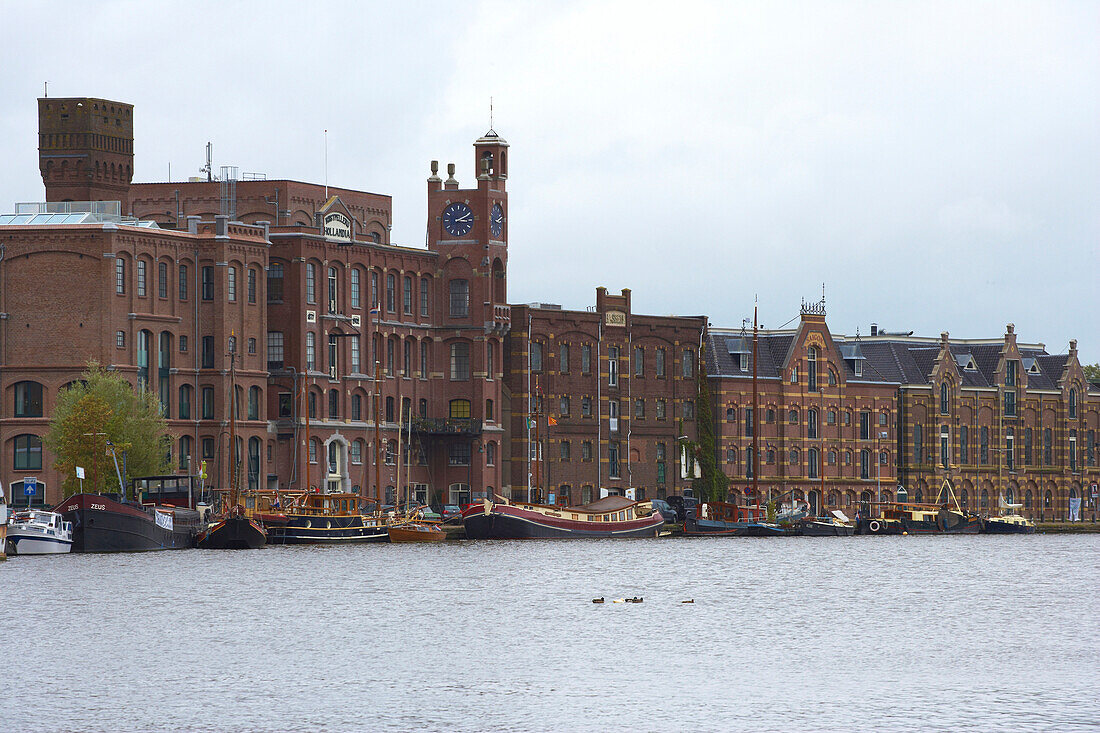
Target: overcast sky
936,165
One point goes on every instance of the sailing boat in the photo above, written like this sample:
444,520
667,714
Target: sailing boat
1009,521
234,530
413,527
726,519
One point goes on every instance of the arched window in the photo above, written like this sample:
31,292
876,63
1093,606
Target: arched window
332,289
164,369
333,404
792,417
355,451
311,282
1027,499
185,402
865,464
356,299
356,407
144,337
943,398
254,463
254,403
28,453
918,444
459,409
313,445
491,453
1073,403
811,423
28,399
811,368
185,453
793,458
391,293
812,454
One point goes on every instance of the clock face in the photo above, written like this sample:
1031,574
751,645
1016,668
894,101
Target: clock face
458,219
496,220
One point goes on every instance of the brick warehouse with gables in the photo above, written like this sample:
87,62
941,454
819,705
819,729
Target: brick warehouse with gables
303,284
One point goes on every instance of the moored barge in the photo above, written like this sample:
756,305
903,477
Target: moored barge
609,517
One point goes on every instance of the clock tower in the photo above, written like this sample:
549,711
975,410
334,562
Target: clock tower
469,227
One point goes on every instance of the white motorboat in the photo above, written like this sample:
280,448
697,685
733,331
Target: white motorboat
33,532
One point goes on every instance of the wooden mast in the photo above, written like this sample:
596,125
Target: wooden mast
538,445
232,426
755,421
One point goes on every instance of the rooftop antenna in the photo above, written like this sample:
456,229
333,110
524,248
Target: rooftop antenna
209,158
490,113
46,89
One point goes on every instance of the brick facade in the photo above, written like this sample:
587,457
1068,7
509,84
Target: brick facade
621,389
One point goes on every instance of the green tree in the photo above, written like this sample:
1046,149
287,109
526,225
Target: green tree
713,484
1092,372
105,407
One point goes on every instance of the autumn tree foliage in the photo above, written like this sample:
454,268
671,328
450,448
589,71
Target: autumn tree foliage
104,407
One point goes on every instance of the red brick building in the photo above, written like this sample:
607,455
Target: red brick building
827,427
291,293
599,399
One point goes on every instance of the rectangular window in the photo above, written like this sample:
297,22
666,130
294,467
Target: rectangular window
207,283
563,405
639,409
183,344
586,359
586,407
424,359
120,339
424,297
311,351
275,273
1010,373
748,422
162,279
586,450
659,363
355,301
460,361
355,365
964,444
391,293
141,278
252,285
120,275
407,295
864,425
460,298
1010,403
689,410
274,350
207,352
536,356
459,454
207,403
659,409
983,455
183,282
639,361
563,358
374,289
613,469
613,366
311,283
231,284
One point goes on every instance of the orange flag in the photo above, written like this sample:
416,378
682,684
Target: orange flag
550,420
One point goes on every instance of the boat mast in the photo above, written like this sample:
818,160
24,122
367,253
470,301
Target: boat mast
232,425
538,444
377,434
397,485
755,431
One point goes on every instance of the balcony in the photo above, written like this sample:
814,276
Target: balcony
446,426
502,320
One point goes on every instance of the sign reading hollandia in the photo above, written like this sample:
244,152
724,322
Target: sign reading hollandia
338,226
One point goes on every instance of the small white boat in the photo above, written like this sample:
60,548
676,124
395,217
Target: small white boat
33,532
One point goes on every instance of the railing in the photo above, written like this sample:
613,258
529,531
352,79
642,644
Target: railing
447,426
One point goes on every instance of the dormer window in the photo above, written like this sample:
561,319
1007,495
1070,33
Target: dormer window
858,367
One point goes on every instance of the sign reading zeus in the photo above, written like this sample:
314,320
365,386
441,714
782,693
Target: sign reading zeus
338,226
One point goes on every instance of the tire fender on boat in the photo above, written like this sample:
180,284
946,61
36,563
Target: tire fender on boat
874,526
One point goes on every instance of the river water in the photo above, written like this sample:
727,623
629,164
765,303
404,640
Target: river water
886,633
